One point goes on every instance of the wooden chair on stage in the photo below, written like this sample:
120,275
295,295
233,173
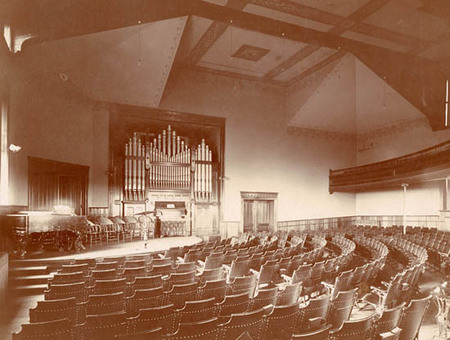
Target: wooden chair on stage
51,330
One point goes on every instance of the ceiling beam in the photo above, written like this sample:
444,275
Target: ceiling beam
58,19
342,26
213,32
311,13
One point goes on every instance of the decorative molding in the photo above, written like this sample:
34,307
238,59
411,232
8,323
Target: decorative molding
258,195
366,140
318,133
252,53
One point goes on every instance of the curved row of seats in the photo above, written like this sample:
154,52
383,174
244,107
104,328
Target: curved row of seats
253,295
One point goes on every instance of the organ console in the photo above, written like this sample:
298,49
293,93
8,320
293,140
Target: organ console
157,165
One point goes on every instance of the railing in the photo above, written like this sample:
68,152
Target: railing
364,220
430,163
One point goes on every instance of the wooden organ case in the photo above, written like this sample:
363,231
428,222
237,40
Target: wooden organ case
178,182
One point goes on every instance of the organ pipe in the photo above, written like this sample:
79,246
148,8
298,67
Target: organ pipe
165,162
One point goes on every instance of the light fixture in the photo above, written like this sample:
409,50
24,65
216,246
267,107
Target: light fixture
14,148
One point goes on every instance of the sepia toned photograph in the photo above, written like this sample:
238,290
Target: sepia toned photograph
224,169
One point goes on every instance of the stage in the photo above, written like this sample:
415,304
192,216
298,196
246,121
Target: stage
115,249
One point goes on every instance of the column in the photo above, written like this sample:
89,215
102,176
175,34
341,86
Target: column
404,186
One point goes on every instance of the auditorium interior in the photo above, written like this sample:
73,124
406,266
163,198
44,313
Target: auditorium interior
224,169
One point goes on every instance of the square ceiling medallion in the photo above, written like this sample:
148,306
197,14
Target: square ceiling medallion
251,53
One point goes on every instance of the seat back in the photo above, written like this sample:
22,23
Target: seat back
107,274
108,286
195,311
214,261
154,334
316,308
212,274
355,329
64,278
179,294
58,292
50,330
104,326
245,284
249,323
233,304
147,282
162,269
130,273
179,279
144,298
74,268
54,310
282,321
301,274
186,267
320,334
238,269
105,304
269,273
201,330
412,317
289,294
265,297
215,289
389,320
162,316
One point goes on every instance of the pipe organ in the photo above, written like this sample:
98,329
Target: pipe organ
156,165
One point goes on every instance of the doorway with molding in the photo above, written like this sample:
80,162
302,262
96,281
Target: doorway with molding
258,211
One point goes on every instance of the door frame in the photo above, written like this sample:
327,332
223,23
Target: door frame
259,196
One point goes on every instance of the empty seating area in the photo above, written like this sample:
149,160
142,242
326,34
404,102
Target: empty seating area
312,285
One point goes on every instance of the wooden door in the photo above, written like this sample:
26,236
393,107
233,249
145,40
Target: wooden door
258,215
248,216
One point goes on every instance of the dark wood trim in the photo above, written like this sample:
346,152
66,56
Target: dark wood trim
422,166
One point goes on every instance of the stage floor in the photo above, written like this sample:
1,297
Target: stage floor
117,249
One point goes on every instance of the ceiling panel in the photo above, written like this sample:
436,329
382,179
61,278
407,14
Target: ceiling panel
397,16
332,105
339,7
292,19
219,56
305,64
128,65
